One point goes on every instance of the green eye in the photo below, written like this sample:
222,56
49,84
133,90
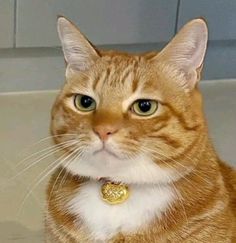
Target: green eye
144,107
84,103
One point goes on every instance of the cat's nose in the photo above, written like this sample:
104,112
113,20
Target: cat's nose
105,131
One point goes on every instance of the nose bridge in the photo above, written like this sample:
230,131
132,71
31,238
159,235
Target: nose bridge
106,123
107,118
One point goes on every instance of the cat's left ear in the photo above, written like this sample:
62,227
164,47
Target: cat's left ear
78,51
186,52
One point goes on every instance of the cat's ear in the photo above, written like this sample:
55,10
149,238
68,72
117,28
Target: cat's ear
78,51
186,51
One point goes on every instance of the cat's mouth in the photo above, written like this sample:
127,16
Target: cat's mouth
105,152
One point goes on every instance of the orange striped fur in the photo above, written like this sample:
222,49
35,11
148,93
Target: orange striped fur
175,138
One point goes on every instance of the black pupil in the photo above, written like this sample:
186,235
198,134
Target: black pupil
144,105
86,101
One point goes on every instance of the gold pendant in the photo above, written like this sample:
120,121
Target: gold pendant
114,193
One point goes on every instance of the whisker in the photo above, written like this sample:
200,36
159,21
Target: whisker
43,150
49,137
74,153
66,174
180,164
168,165
78,137
40,159
184,155
182,175
179,196
185,167
51,167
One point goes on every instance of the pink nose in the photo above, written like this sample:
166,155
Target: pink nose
104,131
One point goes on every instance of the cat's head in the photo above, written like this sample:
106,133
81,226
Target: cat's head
128,117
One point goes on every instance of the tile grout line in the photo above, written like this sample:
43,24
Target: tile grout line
177,17
14,28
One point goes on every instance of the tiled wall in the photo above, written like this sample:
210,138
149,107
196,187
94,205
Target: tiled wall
32,23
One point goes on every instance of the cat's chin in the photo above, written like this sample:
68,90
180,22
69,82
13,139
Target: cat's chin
140,170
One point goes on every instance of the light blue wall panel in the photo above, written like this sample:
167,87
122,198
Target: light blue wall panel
6,23
220,16
103,21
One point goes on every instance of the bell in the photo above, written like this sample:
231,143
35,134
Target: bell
114,193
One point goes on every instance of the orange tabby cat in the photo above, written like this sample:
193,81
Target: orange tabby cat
135,122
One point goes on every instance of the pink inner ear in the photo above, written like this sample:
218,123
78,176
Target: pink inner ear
78,51
191,80
186,52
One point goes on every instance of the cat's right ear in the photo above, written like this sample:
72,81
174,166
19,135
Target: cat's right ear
78,51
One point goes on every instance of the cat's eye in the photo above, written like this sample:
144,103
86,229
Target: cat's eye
144,107
84,103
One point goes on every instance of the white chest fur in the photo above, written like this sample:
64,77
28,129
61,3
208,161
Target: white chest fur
104,221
